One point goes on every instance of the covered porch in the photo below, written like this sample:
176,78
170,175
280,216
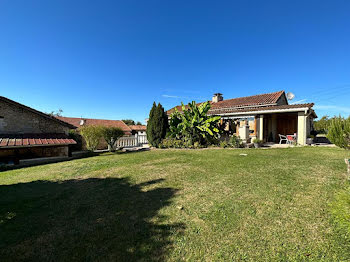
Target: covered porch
268,125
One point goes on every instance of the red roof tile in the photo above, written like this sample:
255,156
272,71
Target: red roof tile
27,140
257,100
76,121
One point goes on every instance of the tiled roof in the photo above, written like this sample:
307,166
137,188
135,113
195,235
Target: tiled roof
257,100
62,122
76,121
248,101
28,140
138,127
213,111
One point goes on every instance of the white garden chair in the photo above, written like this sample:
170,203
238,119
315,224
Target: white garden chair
283,138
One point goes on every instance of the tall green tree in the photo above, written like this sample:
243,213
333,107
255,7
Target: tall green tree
129,122
321,126
157,125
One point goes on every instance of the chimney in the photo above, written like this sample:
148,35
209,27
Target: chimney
217,97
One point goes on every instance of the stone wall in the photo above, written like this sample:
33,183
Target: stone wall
17,120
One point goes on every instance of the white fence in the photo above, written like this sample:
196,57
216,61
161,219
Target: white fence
132,141
142,139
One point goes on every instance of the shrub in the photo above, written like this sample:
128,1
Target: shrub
111,135
224,144
339,132
74,134
235,141
257,141
197,145
92,136
321,126
157,125
172,142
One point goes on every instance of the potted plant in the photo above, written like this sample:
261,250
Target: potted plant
257,142
310,139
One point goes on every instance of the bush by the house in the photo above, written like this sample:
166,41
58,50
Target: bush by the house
339,132
74,134
236,142
92,136
321,126
157,125
224,144
111,135
194,125
172,142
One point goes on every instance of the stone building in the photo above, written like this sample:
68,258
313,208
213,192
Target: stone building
28,133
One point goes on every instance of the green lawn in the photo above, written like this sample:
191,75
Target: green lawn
171,205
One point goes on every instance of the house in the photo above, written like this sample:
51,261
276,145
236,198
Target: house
264,116
28,133
79,122
138,129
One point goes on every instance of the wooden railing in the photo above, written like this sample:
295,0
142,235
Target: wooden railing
131,141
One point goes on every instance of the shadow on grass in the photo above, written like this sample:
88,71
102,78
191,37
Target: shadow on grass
91,220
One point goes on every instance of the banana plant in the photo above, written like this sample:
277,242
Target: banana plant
194,124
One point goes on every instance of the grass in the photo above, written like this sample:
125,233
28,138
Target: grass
172,205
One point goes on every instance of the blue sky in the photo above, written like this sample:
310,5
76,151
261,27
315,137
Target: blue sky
112,59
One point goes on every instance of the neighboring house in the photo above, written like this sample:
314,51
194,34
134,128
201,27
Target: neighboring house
27,133
138,129
263,116
79,122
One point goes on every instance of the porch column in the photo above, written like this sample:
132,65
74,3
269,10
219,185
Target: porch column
302,128
260,127
274,127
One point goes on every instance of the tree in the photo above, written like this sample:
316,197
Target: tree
138,123
92,136
157,125
339,132
111,135
56,113
194,124
129,122
321,126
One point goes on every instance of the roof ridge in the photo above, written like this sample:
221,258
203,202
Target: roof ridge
92,118
35,111
243,97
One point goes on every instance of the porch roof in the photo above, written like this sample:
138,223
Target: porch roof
30,140
264,110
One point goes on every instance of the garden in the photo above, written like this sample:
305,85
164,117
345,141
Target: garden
287,204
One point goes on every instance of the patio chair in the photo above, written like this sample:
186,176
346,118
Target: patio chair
291,139
283,138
